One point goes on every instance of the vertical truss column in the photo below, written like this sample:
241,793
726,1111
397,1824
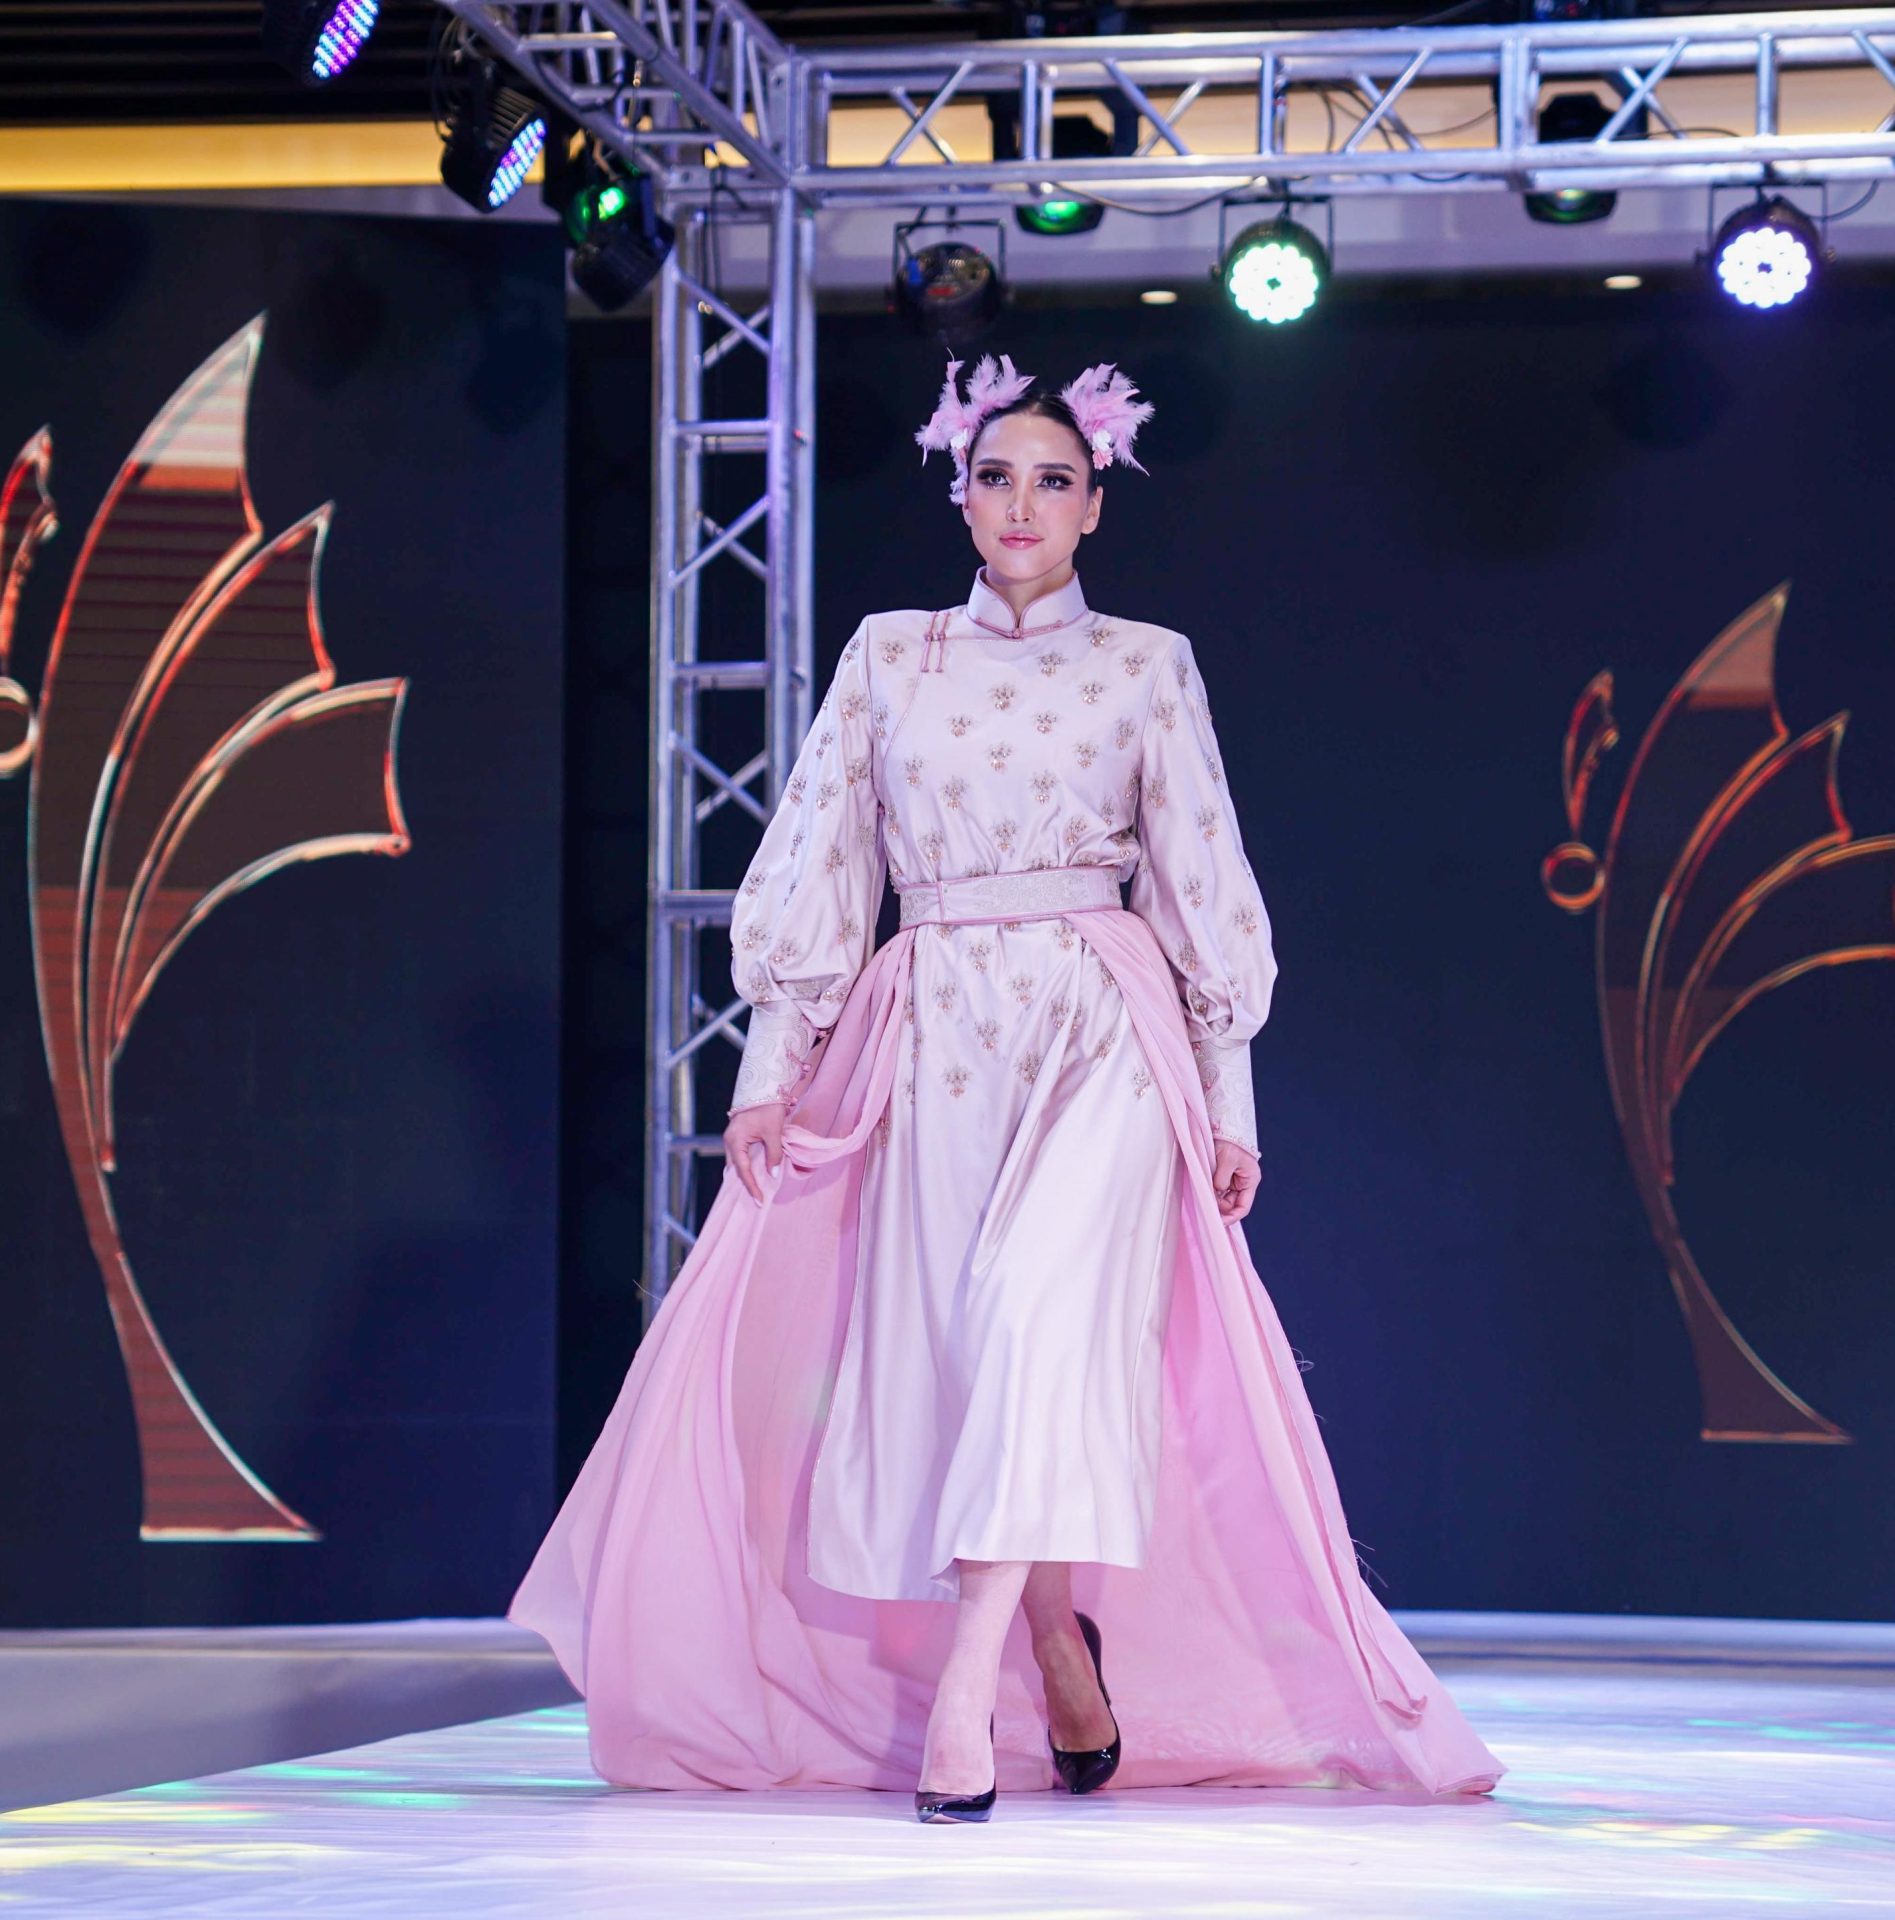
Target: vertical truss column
694,328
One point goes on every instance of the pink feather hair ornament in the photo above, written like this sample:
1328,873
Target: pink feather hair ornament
956,421
1109,412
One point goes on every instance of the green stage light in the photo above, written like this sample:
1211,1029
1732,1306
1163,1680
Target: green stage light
1074,136
1569,117
1275,271
1060,216
619,239
592,207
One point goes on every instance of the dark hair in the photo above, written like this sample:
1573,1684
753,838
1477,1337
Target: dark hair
1049,406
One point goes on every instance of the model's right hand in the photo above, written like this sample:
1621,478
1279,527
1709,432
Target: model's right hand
755,1127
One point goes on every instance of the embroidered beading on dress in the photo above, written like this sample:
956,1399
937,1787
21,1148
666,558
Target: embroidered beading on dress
1007,764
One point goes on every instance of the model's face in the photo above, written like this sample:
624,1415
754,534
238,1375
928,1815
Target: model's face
1027,504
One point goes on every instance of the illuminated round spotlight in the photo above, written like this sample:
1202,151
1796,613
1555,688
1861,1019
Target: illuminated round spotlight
950,290
316,39
490,150
1767,254
1159,296
1275,271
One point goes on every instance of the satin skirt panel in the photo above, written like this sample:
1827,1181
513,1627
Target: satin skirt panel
999,1395
674,1583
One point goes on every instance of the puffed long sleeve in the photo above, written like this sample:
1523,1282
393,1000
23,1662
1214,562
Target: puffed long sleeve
1195,889
804,917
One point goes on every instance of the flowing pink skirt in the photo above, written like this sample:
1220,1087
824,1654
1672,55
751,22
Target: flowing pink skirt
673,1584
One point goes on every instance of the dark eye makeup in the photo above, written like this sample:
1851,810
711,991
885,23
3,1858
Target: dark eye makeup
1000,473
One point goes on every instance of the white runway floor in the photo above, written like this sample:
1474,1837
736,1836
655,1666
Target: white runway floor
1697,1777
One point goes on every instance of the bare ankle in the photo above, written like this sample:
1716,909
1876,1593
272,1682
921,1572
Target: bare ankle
1056,1636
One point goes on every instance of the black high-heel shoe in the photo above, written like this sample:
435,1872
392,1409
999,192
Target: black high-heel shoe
951,1806
1090,1767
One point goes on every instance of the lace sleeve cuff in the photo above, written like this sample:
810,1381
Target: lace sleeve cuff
776,1045
1224,1072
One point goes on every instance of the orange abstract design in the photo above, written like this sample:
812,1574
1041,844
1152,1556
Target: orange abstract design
190,738
1729,869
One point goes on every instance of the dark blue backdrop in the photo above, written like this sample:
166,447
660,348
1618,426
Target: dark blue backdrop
340,1110
1403,538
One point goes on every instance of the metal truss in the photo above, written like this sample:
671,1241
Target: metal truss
704,97
655,81
653,78
694,328
1384,75
649,81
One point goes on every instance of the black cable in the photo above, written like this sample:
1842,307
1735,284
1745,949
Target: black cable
1460,126
1330,101
439,54
1856,206
1159,213
1388,139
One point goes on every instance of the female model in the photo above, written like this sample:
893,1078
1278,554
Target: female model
972,1319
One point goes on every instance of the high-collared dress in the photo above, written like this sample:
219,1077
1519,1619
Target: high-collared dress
999,1388
954,1327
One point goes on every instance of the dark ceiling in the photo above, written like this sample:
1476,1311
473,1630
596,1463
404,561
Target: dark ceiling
79,61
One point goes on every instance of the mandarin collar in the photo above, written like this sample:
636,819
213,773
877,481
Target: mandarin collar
1060,608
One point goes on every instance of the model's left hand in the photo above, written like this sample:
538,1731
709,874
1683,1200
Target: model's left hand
1234,1174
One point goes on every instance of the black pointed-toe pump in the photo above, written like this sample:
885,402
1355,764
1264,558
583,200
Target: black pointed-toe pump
953,1806
1091,1767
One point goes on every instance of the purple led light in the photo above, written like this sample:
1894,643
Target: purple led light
343,36
516,162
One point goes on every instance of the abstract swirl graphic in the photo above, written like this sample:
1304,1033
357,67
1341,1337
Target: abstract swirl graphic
1729,869
190,738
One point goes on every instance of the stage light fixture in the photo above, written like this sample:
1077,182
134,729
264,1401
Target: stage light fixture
1076,136
493,132
596,206
950,291
1275,271
1574,116
1766,254
620,241
316,39
1055,217
489,153
1071,136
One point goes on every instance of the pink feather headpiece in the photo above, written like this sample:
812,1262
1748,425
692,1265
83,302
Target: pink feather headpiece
1103,401
1109,412
956,421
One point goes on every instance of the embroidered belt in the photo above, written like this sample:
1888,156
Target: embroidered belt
1036,894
